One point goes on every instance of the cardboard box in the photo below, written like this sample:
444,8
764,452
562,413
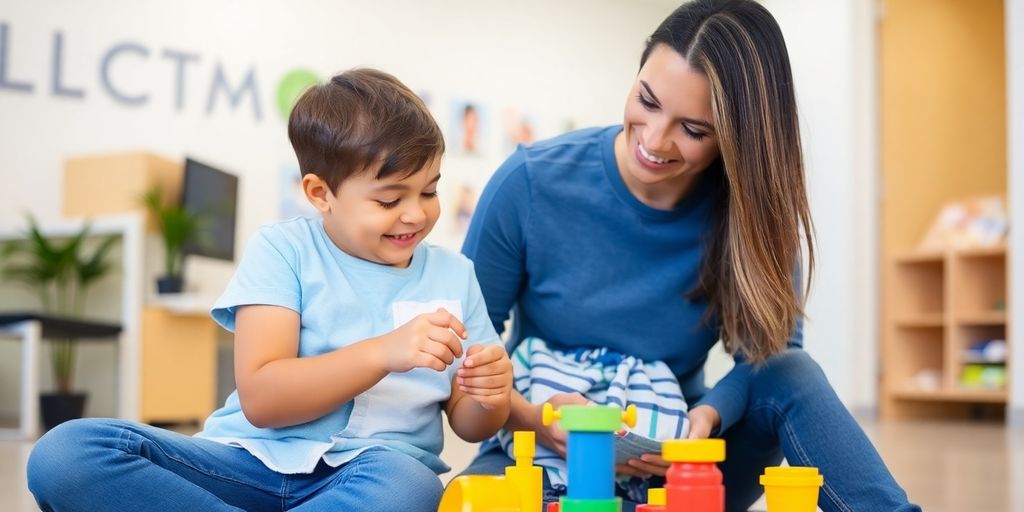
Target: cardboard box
115,183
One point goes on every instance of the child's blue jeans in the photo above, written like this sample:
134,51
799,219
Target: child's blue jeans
113,465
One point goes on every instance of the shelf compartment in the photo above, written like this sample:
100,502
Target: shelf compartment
920,257
921,321
952,394
996,251
914,350
979,278
980,318
918,287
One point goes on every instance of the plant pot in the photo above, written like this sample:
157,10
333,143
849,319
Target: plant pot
59,407
169,284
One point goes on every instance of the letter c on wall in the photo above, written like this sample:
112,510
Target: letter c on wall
108,58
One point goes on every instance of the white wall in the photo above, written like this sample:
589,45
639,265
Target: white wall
566,59
571,59
1015,160
831,47
563,59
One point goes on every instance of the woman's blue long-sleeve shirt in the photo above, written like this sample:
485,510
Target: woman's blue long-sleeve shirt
558,237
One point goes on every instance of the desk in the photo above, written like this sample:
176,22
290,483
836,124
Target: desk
130,227
179,366
31,328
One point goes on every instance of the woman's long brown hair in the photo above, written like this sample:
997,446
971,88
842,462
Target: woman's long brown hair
763,217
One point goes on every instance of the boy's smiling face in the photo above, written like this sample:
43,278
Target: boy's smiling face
379,220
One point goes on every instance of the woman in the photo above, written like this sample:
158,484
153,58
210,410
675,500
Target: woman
683,226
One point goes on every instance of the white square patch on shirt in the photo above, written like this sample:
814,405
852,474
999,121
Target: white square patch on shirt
406,310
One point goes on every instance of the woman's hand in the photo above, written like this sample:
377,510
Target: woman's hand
648,465
703,420
552,436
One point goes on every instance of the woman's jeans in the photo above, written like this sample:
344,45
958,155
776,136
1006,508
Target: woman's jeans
113,465
793,412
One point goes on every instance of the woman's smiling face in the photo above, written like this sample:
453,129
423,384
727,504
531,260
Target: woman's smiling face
668,135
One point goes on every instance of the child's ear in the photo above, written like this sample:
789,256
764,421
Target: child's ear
316,190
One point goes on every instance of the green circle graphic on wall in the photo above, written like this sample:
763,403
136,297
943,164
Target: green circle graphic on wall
293,84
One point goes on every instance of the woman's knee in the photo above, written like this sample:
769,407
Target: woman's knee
791,374
66,455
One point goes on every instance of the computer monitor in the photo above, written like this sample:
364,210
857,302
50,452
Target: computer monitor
212,195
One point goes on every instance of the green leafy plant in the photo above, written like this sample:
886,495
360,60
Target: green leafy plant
61,273
177,228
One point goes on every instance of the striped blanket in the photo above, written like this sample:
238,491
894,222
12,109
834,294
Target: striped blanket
606,378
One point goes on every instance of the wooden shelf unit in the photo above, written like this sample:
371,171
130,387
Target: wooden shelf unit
940,304
931,307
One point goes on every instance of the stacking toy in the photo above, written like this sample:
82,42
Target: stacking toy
791,489
520,490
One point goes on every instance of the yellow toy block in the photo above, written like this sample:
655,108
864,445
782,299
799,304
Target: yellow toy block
520,490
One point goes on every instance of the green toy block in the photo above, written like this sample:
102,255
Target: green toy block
589,418
609,505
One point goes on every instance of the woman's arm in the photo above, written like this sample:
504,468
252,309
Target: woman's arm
721,408
729,396
496,238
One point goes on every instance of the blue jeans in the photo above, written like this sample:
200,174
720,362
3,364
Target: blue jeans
113,465
793,412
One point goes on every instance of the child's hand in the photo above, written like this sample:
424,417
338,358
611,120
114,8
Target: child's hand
486,375
431,340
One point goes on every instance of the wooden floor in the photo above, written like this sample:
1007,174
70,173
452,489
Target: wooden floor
945,467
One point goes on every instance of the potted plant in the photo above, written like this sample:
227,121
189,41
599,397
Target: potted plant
61,273
178,227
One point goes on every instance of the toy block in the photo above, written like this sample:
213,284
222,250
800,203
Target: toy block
791,488
520,490
694,482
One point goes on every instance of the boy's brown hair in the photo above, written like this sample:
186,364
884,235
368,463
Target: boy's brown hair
361,119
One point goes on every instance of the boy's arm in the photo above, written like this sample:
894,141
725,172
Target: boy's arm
470,420
480,400
276,388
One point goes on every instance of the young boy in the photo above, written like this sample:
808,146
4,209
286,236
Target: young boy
350,335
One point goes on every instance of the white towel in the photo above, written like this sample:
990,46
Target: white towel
606,378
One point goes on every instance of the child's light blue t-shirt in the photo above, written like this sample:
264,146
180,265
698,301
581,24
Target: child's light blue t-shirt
343,300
